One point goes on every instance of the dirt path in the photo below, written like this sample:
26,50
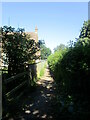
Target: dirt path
39,103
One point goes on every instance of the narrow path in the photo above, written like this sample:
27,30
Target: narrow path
39,103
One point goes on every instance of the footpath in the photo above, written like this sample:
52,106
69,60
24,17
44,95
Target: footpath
38,105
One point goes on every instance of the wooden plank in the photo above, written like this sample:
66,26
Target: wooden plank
14,77
16,98
16,88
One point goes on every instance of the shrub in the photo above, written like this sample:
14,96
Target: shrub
75,67
54,61
71,68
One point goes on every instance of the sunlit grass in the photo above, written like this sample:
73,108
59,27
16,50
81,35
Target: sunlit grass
41,69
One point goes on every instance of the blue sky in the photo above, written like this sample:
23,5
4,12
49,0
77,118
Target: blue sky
57,22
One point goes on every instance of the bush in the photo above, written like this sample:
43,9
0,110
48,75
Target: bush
71,70
54,58
75,67
71,67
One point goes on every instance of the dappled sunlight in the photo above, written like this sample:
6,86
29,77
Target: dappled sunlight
48,95
38,104
35,112
28,111
31,105
44,116
38,82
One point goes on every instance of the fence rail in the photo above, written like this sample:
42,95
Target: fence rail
15,86
15,77
9,94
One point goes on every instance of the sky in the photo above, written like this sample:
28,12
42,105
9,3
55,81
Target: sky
57,22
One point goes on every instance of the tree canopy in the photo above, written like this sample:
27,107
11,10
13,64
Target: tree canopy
18,49
45,52
60,47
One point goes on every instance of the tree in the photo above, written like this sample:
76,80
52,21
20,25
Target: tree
85,30
75,64
41,42
45,52
60,47
18,49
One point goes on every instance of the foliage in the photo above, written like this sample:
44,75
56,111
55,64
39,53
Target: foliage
71,72
60,47
18,49
75,68
54,58
72,67
85,30
41,42
45,52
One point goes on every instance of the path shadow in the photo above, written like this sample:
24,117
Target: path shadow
38,104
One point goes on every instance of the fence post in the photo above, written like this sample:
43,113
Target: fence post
32,75
29,75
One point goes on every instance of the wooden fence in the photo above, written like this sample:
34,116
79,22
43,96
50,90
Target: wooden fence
15,86
12,86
